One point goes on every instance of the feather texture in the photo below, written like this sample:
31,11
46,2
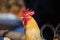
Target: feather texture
32,30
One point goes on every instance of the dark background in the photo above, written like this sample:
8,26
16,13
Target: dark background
46,12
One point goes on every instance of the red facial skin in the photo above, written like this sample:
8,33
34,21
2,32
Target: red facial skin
26,16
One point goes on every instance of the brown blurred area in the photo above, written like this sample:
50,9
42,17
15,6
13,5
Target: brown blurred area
11,6
15,7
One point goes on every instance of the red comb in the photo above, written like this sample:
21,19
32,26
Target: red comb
26,16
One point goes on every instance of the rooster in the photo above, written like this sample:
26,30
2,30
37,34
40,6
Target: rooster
32,31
